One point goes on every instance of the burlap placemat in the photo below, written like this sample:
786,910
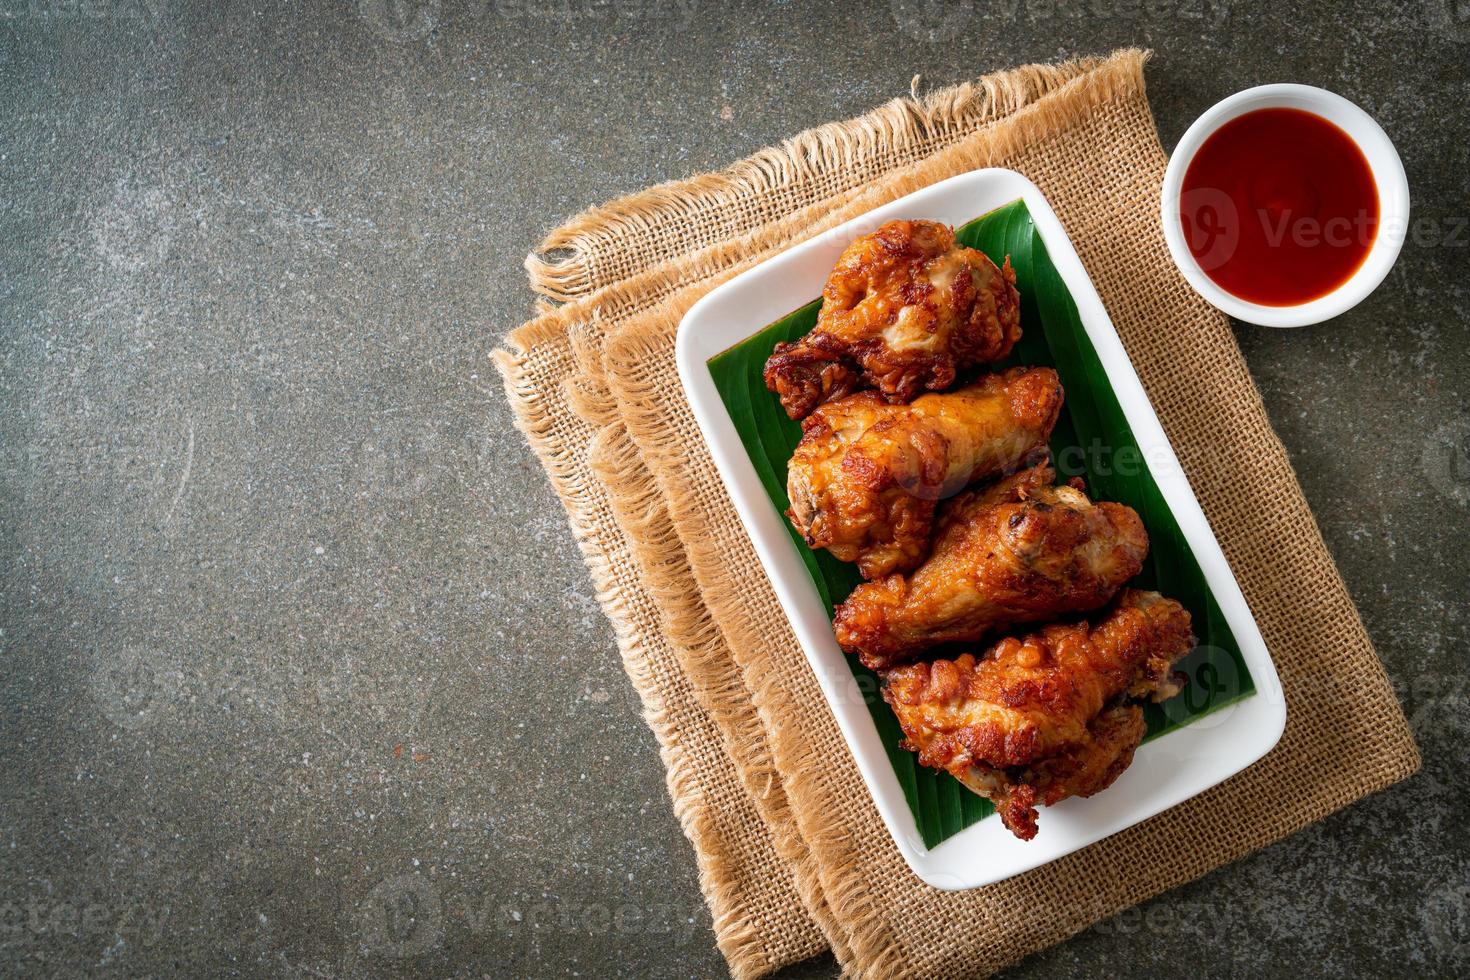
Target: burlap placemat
791,852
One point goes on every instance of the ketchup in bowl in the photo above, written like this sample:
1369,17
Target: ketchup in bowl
1279,207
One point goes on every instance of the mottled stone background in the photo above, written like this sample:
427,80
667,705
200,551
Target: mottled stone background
303,675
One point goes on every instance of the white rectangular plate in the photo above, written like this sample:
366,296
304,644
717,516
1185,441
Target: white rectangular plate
1167,770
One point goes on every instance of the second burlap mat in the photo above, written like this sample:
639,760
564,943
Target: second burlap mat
792,855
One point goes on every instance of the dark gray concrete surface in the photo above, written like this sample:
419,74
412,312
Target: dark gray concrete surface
303,675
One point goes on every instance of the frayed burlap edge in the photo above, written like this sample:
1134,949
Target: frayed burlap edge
624,238
647,405
1095,79
663,567
723,858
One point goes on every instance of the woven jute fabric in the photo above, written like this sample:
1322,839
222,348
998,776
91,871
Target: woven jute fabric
791,852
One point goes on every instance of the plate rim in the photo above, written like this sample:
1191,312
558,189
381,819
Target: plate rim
977,855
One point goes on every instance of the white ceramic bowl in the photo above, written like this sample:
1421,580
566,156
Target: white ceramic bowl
1388,174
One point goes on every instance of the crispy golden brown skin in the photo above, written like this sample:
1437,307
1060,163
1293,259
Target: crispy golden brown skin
1022,551
905,308
867,476
1036,720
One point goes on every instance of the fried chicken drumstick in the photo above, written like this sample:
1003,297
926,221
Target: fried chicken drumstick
1036,720
1021,551
905,308
867,476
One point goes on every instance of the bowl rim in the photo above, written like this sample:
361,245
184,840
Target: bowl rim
1383,161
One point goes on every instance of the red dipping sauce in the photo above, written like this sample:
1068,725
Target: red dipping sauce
1279,207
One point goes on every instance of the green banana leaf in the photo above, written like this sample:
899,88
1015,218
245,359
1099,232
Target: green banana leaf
1092,440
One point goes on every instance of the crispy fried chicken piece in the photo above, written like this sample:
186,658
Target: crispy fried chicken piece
905,308
1036,720
867,476
1022,551
1084,769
